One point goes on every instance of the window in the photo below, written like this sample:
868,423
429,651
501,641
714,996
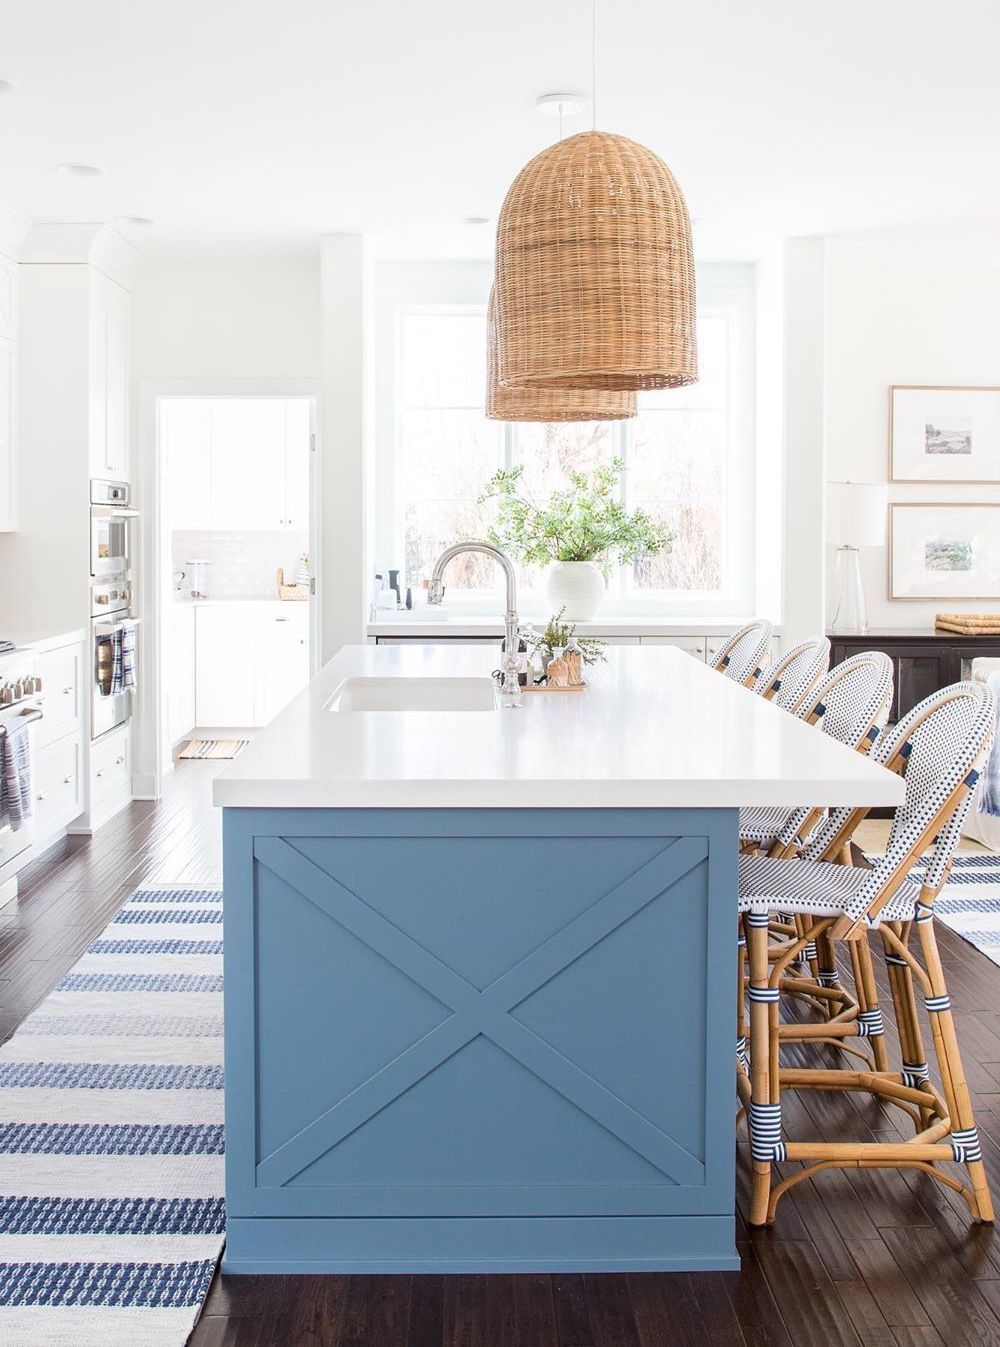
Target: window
688,459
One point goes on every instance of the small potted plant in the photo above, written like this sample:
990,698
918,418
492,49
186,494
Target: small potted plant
577,532
557,636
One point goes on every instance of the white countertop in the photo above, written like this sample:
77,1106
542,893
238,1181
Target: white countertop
43,641
424,621
656,728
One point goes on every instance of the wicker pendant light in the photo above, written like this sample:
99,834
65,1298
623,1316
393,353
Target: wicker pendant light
594,271
547,404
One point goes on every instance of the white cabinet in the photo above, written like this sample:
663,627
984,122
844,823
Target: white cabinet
8,394
111,769
109,339
58,786
179,669
250,660
297,463
224,660
8,298
282,660
248,464
8,435
65,677
692,645
187,432
238,463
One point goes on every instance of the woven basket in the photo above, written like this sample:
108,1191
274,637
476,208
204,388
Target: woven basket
595,273
547,404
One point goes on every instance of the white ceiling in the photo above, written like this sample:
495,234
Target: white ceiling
245,125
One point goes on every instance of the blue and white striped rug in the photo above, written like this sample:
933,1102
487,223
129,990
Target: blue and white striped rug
970,902
111,1136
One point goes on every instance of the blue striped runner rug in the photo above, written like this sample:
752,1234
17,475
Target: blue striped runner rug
970,902
111,1136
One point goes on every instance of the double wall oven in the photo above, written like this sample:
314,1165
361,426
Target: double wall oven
113,624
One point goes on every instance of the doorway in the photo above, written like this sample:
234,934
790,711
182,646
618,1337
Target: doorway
232,567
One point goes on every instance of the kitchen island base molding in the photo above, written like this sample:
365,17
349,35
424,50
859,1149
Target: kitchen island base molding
479,1040
533,1244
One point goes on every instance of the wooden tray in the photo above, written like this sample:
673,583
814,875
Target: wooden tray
549,687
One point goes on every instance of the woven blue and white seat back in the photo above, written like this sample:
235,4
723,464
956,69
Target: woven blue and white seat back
851,705
943,742
792,677
743,656
854,699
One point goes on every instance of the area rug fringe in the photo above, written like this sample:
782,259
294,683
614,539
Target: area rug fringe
111,1136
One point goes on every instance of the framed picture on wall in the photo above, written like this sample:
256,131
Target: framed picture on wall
944,551
944,434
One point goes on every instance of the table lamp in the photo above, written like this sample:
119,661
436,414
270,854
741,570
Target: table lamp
855,518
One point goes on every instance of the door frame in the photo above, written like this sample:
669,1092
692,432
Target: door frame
150,579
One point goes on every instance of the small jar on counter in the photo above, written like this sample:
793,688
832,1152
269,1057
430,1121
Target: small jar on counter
573,657
558,670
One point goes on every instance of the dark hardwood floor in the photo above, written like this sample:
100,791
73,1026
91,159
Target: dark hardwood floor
881,1258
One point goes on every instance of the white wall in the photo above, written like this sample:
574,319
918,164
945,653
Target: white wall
907,307
212,320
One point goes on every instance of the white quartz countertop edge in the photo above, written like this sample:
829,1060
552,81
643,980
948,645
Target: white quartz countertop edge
656,729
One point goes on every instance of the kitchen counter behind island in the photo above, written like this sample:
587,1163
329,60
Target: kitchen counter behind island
480,968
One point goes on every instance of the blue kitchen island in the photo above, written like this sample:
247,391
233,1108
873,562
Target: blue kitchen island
480,964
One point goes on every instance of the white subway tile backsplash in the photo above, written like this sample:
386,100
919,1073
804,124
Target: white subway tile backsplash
243,561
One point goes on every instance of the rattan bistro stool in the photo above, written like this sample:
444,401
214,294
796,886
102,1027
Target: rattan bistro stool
851,705
940,748
741,658
792,677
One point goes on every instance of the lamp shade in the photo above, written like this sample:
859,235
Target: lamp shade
594,271
856,513
547,404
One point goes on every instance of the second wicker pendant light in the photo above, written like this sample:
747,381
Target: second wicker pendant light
547,404
594,271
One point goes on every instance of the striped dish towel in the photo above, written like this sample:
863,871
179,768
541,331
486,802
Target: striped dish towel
17,805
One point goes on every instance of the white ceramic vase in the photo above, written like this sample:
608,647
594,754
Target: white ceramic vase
577,586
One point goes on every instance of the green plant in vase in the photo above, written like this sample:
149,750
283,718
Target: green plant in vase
578,532
557,635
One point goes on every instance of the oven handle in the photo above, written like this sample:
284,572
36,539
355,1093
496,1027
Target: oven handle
109,628
112,512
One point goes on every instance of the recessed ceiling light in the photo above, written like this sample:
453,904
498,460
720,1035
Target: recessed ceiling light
6,87
475,219
140,221
561,105
79,170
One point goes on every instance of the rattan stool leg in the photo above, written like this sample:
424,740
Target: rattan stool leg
964,1135
869,1021
764,1112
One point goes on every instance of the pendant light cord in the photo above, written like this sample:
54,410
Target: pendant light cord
593,61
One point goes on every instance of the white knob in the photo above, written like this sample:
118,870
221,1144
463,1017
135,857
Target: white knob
67,780
67,691
41,795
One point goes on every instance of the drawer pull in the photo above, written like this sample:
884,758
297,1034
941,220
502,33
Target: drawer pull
67,780
99,774
68,692
119,761
41,795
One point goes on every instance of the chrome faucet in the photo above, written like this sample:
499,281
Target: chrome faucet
511,689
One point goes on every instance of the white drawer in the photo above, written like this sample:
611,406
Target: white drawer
58,785
63,682
111,764
693,645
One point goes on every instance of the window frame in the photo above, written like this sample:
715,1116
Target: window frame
723,289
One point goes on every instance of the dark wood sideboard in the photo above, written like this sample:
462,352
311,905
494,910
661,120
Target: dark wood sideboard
923,661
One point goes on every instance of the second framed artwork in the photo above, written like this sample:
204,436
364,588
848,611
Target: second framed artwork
939,551
944,434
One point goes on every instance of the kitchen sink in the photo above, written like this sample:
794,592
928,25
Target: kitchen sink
415,694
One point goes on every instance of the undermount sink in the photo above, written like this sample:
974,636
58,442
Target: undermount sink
414,694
